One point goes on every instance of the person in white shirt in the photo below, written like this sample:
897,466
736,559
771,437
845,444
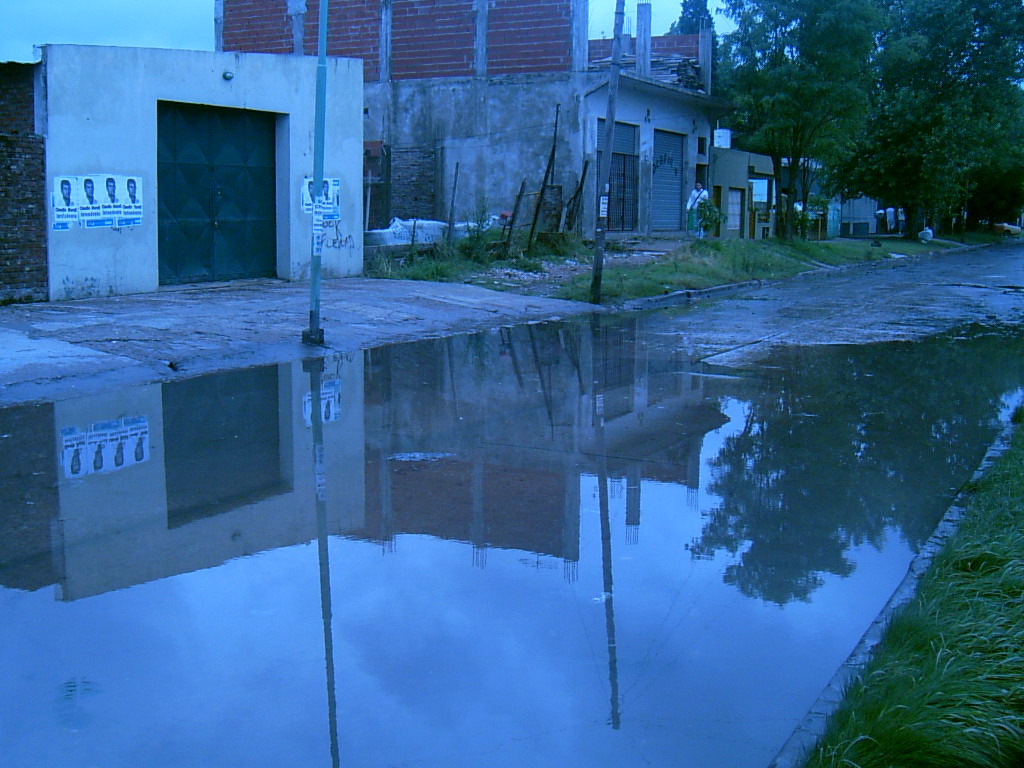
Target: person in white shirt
697,196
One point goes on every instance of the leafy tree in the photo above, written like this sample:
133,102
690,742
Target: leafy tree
693,17
797,71
945,104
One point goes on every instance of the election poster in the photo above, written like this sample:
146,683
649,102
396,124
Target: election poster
330,403
65,202
110,200
105,446
90,203
329,200
131,200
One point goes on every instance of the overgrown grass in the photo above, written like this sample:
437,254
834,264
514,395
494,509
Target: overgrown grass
469,256
946,685
708,263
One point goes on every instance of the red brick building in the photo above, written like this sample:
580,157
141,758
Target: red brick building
411,39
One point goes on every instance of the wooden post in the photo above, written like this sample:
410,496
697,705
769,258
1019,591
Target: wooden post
605,175
543,185
451,206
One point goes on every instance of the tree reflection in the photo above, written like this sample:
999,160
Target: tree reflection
838,443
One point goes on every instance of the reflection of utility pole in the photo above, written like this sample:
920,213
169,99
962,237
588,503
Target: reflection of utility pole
315,368
597,410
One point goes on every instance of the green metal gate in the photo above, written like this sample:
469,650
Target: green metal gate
215,193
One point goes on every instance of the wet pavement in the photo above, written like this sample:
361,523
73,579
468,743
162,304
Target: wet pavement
626,540
61,349
565,543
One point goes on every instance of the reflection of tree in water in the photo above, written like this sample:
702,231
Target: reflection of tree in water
841,443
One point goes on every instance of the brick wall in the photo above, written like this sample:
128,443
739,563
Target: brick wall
16,100
432,39
353,31
414,182
22,189
529,36
258,26
429,38
22,218
665,45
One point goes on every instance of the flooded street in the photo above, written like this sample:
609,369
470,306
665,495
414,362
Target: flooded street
586,543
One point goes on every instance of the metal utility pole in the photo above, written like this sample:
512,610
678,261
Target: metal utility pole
315,334
605,175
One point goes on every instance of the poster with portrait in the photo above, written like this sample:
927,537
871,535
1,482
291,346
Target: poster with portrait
329,202
131,200
90,201
110,197
65,202
105,446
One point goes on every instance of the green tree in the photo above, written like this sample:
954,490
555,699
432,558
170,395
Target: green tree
945,104
797,71
693,17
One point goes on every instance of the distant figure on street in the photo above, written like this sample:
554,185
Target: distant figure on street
901,219
890,219
697,196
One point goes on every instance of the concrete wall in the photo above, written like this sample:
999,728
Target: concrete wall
650,107
499,130
100,116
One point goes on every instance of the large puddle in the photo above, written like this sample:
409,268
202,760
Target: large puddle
550,545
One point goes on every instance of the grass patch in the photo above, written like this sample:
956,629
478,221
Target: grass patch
708,263
470,256
946,685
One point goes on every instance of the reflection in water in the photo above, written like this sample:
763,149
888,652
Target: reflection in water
436,467
318,415
601,386
840,444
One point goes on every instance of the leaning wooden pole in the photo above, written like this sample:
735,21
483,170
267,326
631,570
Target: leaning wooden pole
605,168
544,184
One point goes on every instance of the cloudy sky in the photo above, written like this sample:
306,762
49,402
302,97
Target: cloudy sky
189,23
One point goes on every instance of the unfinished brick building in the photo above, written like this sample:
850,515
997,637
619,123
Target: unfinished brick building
476,84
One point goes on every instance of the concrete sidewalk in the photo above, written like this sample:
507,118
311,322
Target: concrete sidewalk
63,349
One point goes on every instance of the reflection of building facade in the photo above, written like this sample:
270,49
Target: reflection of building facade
499,426
481,439
228,474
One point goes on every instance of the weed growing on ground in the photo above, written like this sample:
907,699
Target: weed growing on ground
946,686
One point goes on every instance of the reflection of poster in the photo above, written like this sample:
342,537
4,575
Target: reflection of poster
106,446
131,200
90,202
331,190
65,202
330,402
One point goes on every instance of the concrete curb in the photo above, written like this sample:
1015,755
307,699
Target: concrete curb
808,732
